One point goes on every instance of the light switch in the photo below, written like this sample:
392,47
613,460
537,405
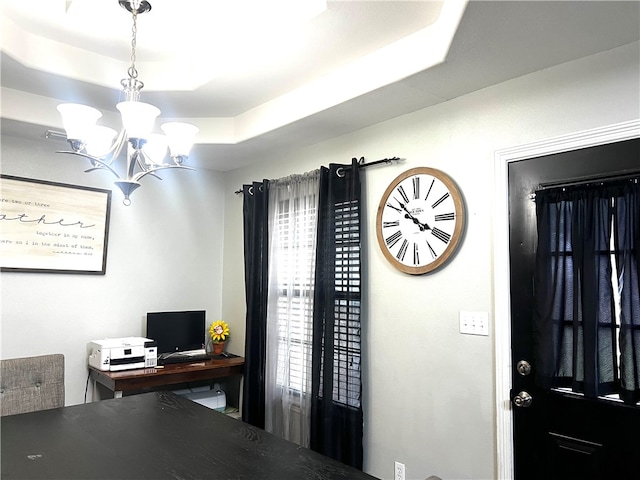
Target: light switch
474,323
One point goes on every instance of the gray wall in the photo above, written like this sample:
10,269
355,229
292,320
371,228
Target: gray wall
164,252
428,390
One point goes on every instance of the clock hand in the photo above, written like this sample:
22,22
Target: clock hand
423,226
408,215
415,220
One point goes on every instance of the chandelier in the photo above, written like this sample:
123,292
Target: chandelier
145,151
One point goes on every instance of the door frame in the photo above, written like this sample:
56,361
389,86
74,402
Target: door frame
502,307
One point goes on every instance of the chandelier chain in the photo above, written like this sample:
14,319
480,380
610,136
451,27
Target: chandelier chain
133,73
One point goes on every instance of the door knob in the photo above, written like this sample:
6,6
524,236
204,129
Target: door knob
523,399
523,367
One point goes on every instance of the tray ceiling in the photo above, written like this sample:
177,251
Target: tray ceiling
258,76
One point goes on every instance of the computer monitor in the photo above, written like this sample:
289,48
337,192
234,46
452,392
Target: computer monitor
176,331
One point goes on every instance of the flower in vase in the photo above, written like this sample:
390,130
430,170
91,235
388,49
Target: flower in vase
219,331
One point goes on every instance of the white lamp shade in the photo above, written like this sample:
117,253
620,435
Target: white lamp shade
180,137
156,148
138,118
78,120
100,141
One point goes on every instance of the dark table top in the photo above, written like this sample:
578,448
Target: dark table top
152,436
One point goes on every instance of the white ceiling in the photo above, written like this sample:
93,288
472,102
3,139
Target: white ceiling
261,76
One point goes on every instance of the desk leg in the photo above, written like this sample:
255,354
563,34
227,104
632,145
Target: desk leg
117,394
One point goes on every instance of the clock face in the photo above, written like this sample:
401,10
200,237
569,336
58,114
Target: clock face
420,220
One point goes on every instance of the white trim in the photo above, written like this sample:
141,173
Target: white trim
502,334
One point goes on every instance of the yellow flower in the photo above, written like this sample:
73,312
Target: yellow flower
219,331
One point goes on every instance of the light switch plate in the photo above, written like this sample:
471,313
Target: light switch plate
474,323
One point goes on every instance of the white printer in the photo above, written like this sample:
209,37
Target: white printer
115,354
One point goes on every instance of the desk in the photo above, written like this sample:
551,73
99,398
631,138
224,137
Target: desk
157,435
127,380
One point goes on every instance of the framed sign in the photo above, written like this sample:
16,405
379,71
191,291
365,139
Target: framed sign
49,227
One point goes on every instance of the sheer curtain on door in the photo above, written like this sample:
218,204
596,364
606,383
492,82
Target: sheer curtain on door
587,337
626,229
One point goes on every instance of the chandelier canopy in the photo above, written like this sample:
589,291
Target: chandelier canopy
146,151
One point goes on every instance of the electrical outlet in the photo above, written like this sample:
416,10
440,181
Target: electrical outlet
474,323
398,473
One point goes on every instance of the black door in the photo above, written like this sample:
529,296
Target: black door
561,435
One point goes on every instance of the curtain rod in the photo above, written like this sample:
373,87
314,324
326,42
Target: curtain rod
623,175
361,164
601,179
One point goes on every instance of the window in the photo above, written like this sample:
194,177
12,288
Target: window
296,247
312,380
296,224
346,384
587,318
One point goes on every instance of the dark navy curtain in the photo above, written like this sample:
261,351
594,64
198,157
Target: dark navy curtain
626,235
336,409
256,249
576,331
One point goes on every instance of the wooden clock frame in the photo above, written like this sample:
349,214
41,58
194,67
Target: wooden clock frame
455,236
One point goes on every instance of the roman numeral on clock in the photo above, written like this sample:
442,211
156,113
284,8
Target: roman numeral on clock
403,193
433,252
445,216
403,250
440,200
397,209
416,187
393,239
395,223
416,255
440,235
430,187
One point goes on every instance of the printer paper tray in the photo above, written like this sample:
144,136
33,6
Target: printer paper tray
126,366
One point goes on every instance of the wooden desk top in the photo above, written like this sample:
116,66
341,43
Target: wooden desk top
156,436
168,374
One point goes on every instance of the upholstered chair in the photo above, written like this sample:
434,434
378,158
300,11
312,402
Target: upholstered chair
31,383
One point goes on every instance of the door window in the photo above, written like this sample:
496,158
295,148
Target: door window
586,318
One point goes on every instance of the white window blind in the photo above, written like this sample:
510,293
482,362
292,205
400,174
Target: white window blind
296,223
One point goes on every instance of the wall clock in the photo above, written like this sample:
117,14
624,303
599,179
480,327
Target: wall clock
420,220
